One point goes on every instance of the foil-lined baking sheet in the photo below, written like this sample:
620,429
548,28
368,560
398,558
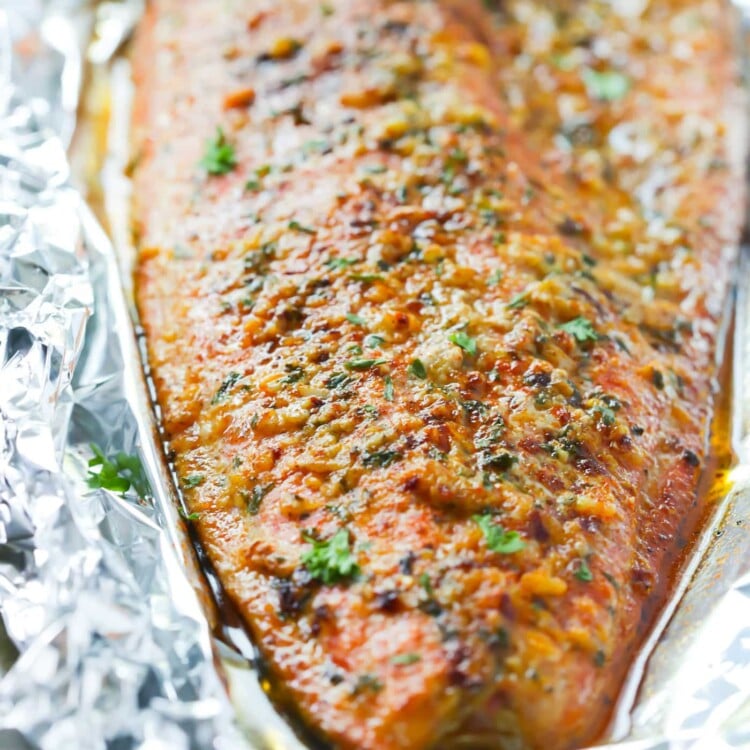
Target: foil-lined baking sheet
109,622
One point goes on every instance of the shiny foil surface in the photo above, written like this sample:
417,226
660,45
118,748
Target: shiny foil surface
108,640
113,651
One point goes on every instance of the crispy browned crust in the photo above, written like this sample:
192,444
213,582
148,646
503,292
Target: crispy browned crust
456,305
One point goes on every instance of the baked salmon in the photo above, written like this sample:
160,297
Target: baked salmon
433,294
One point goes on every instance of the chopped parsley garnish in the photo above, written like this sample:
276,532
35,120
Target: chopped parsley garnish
580,329
606,86
373,341
410,658
499,461
466,342
497,538
356,320
255,498
338,380
296,226
189,516
368,682
425,583
583,572
227,384
219,157
388,390
341,262
117,474
363,364
330,560
294,373
367,278
495,277
193,480
417,369
519,301
381,459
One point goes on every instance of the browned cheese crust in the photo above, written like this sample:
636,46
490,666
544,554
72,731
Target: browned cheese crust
433,320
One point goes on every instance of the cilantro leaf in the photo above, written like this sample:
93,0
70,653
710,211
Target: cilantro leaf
497,538
606,86
466,342
330,560
580,329
219,156
356,320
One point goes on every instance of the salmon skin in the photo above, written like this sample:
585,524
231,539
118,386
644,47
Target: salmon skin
433,294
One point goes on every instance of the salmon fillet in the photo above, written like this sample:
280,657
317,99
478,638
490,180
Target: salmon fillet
433,294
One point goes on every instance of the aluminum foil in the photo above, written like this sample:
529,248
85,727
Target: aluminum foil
105,611
113,650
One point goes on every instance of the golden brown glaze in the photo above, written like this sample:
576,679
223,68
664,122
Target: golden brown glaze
433,325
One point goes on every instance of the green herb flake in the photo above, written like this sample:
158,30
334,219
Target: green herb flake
193,480
405,659
117,473
364,364
417,369
388,390
339,263
466,342
226,385
580,329
497,538
583,572
519,301
381,459
189,516
294,373
338,380
366,278
330,560
425,583
373,341
356,320
495,277
606,86
219,156
297,227
255,498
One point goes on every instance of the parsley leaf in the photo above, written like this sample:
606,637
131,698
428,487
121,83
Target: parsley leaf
497,538
356,320
367,278
341,262
193,480
466,342
381,459
296,226
409,658
583,572
580,329
363,364
226,385
330,560
219,156
388,390
519,301
417,369
116,474
606,86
